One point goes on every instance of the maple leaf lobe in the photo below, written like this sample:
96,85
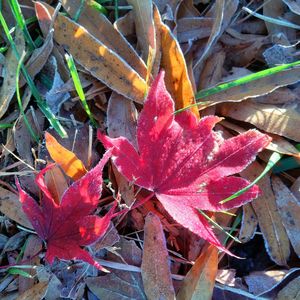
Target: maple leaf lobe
187,164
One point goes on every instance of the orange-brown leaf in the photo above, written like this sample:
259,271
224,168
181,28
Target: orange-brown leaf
173,62
68,161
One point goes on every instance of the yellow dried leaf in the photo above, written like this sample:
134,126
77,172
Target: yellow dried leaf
68,161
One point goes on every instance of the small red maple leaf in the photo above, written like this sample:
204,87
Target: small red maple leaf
69,225
184,162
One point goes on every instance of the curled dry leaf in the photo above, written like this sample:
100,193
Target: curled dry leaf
69,225
184,162
156,273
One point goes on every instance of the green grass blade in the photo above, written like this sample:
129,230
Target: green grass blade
243,80
78,87
275,157
30,129
3,49
40,102
17,13
217,225
116,10
97,6
6,125
16,271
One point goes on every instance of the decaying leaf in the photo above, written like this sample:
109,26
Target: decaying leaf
68,161
223,10
8,86
144,25
39,58
269,220
32,248
56,183
199,282
102,29
270,118
35,293
120,284
12,208
289,210
249,224
155,265
184,162
68,226
254,88
121,121
93,55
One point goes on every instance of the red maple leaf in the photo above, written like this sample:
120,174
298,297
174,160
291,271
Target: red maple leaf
69,225
184,162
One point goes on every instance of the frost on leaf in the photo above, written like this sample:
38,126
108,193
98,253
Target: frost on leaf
69,225
186,163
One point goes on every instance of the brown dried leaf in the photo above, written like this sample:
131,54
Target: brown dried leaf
269,220
35,293
121,121
22,138
39,58
249,224
223,12
144,25
8,87
254,88
155,265
191,29
56,183
93,55
270,118
291,291
294,5
289,209
172,61
12,208
102,29
199,282
295,188
259,282
33,247
278,144
119,284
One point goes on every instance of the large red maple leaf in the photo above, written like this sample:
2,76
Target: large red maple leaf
184,162
69,225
